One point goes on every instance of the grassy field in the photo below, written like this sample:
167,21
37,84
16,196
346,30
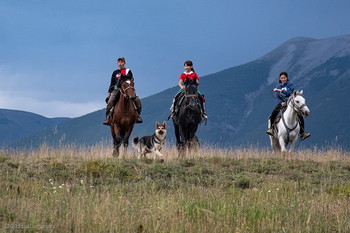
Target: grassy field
86,190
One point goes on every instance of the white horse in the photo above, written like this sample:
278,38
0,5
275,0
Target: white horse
287,129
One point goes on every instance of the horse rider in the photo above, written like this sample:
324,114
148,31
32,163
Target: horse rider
191,75
283,90
118,76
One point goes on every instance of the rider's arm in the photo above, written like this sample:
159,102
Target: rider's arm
113,83
197,79
289,90
180,84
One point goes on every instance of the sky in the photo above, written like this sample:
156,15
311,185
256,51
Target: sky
57,57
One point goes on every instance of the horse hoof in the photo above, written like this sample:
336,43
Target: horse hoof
115,154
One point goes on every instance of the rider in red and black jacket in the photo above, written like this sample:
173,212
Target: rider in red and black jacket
190,74
118,76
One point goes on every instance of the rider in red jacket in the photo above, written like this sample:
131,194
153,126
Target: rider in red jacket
189,73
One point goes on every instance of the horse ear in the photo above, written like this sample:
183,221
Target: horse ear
301,92
164,124
157,124
295,93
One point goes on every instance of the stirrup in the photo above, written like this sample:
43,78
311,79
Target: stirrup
204,115
106,122
304,136
138,120
270,132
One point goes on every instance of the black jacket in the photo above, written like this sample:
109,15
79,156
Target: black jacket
118,76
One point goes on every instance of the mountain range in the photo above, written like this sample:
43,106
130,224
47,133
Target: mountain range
239,101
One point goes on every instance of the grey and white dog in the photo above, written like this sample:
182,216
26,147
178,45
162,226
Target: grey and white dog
153,143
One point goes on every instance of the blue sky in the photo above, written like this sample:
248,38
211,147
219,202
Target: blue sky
56,57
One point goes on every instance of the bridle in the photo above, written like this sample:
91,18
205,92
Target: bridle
296,108
123,91
190,96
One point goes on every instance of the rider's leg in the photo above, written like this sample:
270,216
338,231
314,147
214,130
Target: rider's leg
202,101
137,104
112,99
173,105
303,134
272,118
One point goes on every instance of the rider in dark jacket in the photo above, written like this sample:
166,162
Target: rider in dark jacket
113,91
282,92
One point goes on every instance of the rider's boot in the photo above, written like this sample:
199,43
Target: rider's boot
137,104
303,135
270,130
138,119
107,121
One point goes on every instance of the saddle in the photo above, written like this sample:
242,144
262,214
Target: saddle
279,115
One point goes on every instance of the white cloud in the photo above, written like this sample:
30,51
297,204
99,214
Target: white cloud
48,108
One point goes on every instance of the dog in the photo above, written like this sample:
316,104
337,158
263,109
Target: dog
153,143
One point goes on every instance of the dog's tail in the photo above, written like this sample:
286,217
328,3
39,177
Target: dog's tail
135,141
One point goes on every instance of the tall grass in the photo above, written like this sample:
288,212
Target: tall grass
243,190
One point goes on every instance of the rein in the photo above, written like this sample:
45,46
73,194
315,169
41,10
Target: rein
297,109
123,91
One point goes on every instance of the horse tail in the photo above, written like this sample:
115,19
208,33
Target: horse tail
135,141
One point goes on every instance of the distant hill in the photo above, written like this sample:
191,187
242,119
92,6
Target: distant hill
16,125
239,100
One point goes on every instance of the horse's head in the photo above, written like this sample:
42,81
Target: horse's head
297,101
127,88
191,93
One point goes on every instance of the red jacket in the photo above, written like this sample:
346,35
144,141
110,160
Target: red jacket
192,76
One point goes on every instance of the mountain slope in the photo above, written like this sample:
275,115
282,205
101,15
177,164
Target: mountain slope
239,99
16,125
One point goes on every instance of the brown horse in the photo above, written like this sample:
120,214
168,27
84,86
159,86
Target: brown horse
124,116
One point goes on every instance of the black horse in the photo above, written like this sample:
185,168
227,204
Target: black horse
187,118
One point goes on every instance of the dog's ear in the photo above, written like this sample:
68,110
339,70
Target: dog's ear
157,124
164,124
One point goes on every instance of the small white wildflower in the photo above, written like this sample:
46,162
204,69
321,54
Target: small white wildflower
81,181
91,186
54,191
60,186
50,180
51,183
54,187
269,191
277,189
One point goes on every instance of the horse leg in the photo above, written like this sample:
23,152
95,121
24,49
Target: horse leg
117,142
282,144
126,140
177,135
292,146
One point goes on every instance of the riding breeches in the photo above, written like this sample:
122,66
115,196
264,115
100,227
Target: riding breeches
138,105
113,99
274,113
302,124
